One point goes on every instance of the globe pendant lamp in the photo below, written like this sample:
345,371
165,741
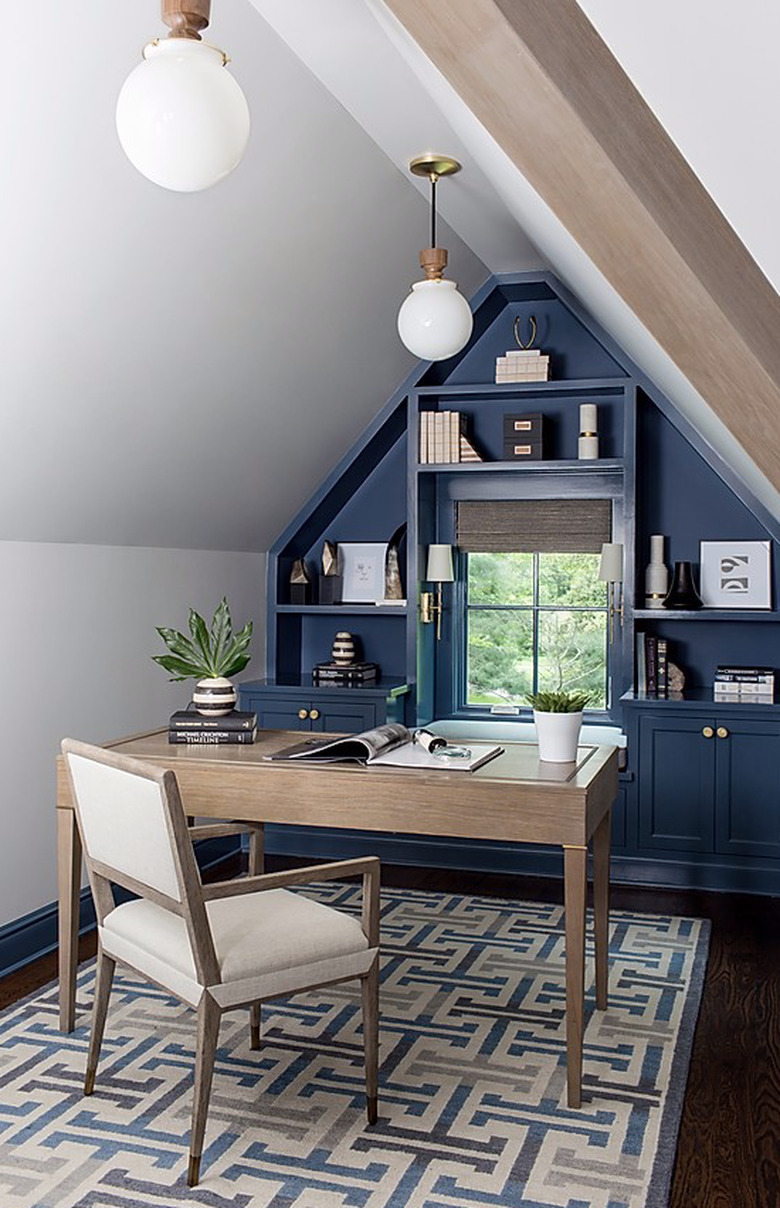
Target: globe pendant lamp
182,119
435,321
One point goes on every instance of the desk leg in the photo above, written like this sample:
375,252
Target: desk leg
69,883
575,894
601,839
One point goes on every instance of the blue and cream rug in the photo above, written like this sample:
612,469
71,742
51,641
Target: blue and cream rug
472,1092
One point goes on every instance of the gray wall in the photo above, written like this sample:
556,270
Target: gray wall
78,634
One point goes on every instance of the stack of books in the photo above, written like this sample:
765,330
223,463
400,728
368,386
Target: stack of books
442,439
652,665
522,365
340,675
187,725
744,684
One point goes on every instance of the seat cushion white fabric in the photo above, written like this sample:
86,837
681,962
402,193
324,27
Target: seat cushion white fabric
254,934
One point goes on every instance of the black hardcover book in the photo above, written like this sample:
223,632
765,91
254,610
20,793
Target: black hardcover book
189,719
651,664
663,667
204,737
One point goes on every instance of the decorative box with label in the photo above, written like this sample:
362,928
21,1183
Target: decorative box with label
524,437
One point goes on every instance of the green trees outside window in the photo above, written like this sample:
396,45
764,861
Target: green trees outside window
535,622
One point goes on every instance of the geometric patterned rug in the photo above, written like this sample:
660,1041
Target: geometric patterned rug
472,1081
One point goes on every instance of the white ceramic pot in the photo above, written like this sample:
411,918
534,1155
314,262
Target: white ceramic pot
558,735
214,696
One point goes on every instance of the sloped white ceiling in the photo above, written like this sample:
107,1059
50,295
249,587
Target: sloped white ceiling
182,370
642,34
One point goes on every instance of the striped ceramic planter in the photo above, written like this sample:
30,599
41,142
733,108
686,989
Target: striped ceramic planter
214,697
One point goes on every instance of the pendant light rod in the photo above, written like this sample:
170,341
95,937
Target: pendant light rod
186,18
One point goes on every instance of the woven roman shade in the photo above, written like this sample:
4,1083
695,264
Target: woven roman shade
550,526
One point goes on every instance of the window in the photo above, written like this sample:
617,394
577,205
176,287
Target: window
534,621
536,612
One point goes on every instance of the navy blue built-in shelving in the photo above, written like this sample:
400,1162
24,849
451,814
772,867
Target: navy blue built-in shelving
660,478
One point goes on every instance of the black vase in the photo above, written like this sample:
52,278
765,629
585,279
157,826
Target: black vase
683,593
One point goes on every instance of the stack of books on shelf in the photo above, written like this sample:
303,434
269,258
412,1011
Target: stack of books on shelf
652,665
443,440
522,365
340,675
750,684
189,726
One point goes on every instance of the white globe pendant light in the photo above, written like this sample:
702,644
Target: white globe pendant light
435,321
182,119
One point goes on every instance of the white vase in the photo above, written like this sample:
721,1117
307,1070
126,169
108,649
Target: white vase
558,735
214,696
657,574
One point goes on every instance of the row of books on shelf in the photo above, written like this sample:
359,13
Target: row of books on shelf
744,683
188,726
443,439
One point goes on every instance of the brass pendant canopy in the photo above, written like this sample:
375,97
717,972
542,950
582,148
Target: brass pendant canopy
434,166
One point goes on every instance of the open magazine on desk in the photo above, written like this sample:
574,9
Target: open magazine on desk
392,745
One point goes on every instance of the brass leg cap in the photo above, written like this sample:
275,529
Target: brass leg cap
371,1108
254,1036
89,1082
193,1172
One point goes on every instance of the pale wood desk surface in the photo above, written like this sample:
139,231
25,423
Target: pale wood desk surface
513,798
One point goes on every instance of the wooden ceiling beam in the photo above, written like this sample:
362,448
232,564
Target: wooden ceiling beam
552,95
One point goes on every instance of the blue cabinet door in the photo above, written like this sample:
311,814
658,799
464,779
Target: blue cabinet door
300,712
676,789
748,787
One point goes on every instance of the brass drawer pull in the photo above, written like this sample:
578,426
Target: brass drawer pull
315,714
303,714
708,732
722,732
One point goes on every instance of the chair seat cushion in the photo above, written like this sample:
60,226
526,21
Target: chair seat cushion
254,933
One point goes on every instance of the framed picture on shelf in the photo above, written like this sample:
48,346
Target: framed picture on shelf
362,567
736,574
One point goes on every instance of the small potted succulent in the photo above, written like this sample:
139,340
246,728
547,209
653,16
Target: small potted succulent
558,719
209,656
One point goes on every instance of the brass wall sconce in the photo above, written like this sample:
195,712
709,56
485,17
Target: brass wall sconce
439,570
611,573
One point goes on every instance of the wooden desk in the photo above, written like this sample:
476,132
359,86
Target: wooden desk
514,798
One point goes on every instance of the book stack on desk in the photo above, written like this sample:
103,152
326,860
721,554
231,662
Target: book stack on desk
340,675
752,684
187,725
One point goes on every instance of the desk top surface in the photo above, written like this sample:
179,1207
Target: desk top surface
514,797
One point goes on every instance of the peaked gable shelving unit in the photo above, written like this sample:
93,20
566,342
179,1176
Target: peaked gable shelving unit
660,476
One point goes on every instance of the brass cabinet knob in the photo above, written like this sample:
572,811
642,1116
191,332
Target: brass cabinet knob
722,732
303,714
315,714
708,732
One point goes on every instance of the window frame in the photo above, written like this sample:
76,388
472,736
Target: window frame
451,653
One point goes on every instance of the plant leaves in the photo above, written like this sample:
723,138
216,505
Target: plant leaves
201,636
180,669
221,632
235,659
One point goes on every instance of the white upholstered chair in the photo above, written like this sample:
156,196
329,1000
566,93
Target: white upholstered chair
216,947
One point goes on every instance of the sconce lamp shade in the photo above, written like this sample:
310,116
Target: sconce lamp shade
440,569
435,321
611,565
182,119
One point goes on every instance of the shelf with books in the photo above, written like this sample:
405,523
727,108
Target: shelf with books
602,465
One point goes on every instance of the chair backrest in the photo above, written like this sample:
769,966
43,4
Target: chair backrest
123,814
134,832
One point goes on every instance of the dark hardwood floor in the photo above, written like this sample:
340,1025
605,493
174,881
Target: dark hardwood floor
728,1153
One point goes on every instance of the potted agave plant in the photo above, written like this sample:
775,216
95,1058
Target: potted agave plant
558,719
210,655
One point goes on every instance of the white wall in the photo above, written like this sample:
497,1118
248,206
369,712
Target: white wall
77,625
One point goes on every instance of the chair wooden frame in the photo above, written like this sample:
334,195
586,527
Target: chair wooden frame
192,909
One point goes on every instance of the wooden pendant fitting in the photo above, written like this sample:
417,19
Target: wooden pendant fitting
186,18
434,261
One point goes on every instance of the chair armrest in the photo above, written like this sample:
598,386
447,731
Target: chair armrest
367,867
216,830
